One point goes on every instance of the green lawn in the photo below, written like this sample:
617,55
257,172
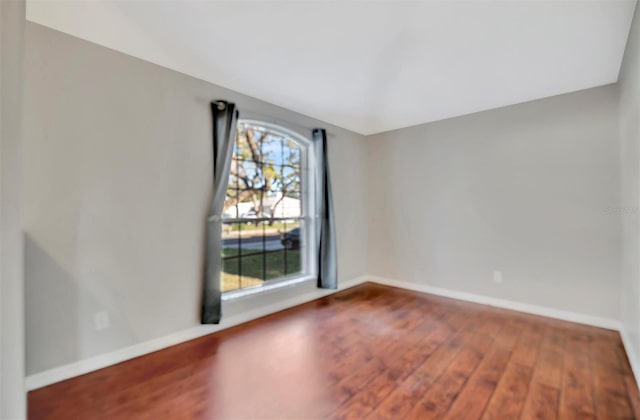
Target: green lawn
252,268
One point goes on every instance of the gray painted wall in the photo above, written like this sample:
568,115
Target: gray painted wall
529,190
12,395
629,85
117,174
117,152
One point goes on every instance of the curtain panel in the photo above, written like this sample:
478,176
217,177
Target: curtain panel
225,117
325,220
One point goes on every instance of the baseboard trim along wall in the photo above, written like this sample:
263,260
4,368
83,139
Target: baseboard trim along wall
81,367
91,364
633,358
611,324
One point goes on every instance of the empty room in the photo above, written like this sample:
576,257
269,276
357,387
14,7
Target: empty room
316,209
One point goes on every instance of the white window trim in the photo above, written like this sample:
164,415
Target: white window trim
308,194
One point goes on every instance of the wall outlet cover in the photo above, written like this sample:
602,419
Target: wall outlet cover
101,320
497,276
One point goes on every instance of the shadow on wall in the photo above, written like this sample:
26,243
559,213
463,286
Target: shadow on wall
60,315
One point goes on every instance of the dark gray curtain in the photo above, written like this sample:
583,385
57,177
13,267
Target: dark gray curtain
225,117
325,222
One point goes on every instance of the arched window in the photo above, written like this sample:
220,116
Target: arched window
267,229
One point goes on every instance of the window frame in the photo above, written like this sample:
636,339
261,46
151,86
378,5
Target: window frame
308,209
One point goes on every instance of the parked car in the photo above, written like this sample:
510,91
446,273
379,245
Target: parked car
291,239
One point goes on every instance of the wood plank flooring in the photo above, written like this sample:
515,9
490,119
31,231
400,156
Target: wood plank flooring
370,352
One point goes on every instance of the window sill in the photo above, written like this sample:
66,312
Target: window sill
237,294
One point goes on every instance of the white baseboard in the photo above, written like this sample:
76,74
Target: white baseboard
611,324
81,367
631,354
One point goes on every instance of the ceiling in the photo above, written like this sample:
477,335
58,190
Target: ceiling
366,66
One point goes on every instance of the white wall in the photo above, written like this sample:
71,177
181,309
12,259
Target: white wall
118,175
629,85
12,394
529,190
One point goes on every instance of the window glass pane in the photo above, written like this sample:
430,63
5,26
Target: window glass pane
293,242
246,175
230,239
291,179
275,264
291,205
230,212
237,145
283,257
261,208
264,190
230,261
241,149
286,207
252,270
276,180
251,238
291,152
230,209
274,250
272,149
272,231
291,174
271,177
230,277
293,260
250,204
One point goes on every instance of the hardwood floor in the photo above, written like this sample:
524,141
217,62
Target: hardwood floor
371,352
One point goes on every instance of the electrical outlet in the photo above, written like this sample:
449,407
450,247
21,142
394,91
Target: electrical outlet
497,276
101,320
